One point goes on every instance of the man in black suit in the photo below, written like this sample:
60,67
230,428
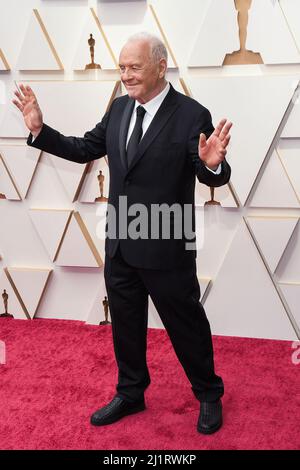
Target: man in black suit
157,141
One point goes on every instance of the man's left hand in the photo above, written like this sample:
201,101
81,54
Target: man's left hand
212,151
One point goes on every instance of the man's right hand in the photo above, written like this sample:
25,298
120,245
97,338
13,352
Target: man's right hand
29,107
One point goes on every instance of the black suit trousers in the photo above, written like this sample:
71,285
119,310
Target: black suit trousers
175,294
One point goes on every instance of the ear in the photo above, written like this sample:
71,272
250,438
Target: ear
162,68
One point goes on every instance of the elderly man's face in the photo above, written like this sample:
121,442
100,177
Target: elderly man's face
141,76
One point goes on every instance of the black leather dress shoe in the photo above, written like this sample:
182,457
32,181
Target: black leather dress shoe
115,410
210,417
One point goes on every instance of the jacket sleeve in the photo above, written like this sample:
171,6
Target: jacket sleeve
203,123
76,149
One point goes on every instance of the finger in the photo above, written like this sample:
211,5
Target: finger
25,99
23,89
18,95
18,105
225,130
226,140
18,88
219,127
30,92
27,92
202,140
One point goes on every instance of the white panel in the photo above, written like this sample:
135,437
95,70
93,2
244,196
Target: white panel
63,26
289,152
291,10
269,34
21,161
218,35
75,250
291,293
272,235
274,177
289,266
7,186
71,107
102,57
91,188
222,195
16,13
14,306
137,19
246,101
36,53
18,239
30,284
219,226
70,174
94,218
46,190
249,305
50,225
70,293
292,127
191,14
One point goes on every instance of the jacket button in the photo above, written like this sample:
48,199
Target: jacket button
127,182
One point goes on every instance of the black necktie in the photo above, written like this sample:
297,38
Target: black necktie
136,134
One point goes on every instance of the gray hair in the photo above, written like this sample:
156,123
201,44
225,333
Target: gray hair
158,49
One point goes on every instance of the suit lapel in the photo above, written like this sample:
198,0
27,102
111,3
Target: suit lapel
124,130
165,111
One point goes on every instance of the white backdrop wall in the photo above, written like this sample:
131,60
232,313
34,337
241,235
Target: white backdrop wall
249,261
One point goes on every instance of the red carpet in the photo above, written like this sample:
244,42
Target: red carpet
58,372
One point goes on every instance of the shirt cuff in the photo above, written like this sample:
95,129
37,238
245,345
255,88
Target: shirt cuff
217,171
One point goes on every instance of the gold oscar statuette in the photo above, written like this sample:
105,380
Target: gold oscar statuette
5,301
101,187
105,306
242,56
92,65
212,202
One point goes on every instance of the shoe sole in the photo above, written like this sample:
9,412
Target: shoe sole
211,430
120,416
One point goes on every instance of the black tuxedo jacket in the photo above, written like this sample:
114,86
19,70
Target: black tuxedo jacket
162,171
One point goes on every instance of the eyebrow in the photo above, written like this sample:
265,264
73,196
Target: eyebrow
138,64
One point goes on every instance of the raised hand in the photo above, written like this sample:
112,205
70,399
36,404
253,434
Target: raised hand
212,151
27,103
